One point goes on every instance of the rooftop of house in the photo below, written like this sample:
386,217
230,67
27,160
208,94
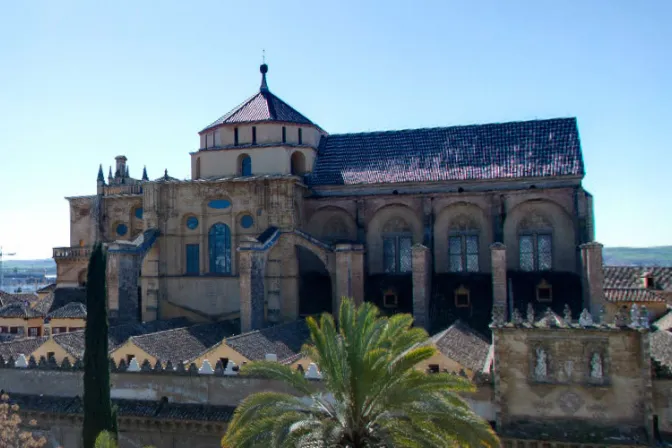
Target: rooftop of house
18,309
664,322
514,150
633,295
183,344
632,277
8,297
462,344
284,341
661,347
74,310
73,342
263,106
49,288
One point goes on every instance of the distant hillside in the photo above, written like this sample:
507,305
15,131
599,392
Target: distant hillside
47,263
638,256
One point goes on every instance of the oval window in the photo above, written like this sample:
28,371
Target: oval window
219,204
192,222
138,212
246,221
122,229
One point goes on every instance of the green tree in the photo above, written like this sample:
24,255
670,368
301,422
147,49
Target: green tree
375,397
98,414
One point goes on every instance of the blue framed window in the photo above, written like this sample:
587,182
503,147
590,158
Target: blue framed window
192,222
122,229
246,221
193,253
246,166
219,249
138,212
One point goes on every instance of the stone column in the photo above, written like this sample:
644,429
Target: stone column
593,277
149,283
251,270
112,275
349,276
422,278
499,293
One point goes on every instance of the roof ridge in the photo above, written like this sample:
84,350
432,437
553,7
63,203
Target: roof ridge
434,128
231,112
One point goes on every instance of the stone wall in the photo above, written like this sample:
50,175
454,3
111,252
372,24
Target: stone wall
547,382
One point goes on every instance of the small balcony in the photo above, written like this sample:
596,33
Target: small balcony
71,252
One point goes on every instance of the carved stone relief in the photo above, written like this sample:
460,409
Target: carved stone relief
570,402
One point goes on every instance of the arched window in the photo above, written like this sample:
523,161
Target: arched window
298,163
245,165
463,244
219,249
397,242
535,243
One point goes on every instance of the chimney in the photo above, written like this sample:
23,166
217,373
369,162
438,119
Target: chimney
593,277
647,280
499,285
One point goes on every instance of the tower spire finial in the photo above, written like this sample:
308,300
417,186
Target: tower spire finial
263,69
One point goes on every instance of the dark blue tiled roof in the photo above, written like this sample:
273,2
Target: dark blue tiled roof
538,148
263,106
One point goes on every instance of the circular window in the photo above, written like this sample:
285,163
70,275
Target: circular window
246,221
138,212
192,222
122,229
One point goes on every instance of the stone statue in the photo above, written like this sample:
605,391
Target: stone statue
634,316
516,317
567,314
540,370
497,316
530,314
620,318
596,367
644,317
585,319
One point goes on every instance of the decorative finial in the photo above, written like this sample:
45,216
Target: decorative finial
144,173
263,68
101,178
109,175
165,174
127,172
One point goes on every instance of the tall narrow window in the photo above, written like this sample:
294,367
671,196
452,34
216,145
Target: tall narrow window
254,135
198,168
397,242
245,165
463,253
284,134
206,141
536,251
192,254
300,136
219,242
235,136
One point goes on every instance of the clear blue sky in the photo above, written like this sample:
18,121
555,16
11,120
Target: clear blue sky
82,81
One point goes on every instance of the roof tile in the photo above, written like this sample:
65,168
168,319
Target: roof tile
537,148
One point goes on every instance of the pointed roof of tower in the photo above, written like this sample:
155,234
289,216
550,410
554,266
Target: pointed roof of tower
144,173
101,178
262,106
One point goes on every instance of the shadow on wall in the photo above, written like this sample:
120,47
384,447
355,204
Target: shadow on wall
392,294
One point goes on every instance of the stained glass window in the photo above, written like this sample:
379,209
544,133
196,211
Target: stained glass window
192,259
397,254
536,252
526,250
219,248
463,253
544,252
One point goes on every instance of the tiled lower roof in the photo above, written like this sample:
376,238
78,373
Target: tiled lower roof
633,295
524,149
463,345
73,310
24,346
183,344
18,309
661,347
631,276
284,341
664,322
127,408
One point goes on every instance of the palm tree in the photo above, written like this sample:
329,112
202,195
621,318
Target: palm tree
375,397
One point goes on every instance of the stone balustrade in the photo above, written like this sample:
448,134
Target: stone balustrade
72,252
112,190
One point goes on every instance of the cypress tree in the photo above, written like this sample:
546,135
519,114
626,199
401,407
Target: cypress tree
98,415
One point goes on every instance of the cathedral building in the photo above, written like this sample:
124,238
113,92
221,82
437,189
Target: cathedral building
281,219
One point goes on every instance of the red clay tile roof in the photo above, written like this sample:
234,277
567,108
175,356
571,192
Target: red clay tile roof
463,345
631,276
262,106
537,148
633,295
